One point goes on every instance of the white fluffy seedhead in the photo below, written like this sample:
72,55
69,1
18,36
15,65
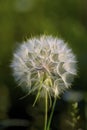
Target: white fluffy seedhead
44,64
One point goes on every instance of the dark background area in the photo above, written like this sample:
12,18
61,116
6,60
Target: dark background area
22,19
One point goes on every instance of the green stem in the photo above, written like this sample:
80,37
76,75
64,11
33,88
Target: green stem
51,115
46,110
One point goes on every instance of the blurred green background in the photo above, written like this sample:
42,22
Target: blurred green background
21,19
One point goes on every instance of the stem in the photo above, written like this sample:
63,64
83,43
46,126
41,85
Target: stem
46,110
51,115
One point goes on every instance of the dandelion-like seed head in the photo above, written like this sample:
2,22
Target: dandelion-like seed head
44,64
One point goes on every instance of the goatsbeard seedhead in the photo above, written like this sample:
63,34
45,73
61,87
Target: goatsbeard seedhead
45,64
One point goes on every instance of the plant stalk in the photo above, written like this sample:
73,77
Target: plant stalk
51,115
46,110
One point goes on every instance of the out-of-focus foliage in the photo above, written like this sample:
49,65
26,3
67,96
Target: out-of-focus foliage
21,19
4,102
